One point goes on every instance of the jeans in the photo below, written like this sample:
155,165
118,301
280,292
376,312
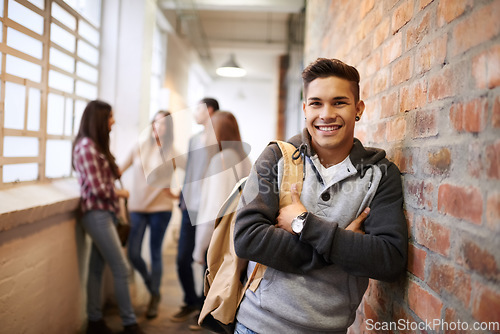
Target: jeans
241,329
106,248
185,259
158,222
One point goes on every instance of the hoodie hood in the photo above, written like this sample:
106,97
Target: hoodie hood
361,157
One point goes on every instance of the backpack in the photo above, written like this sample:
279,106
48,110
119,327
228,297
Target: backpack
224,285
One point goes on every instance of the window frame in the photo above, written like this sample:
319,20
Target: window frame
43,86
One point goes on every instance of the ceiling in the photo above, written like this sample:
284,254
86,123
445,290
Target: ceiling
255,31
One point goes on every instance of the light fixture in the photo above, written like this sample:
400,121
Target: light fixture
231,69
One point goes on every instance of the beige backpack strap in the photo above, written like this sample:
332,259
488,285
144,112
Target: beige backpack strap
292,172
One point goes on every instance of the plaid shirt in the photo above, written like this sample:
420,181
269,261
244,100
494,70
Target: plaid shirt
96,179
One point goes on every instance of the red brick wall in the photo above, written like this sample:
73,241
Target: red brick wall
430,75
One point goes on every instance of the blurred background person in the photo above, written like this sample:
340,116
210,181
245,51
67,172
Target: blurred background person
225,169
97,171
199,154
151,200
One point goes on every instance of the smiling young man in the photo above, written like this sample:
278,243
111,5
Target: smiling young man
346,226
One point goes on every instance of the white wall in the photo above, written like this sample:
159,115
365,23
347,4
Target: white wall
254,104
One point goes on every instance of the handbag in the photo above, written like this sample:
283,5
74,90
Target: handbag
123,224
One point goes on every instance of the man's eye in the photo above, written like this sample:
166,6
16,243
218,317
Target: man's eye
338,103
314,104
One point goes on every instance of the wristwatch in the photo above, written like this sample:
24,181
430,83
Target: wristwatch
298,223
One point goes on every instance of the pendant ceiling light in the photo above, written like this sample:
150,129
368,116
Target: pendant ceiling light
231,69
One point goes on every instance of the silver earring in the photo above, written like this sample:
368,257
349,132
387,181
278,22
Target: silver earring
357,118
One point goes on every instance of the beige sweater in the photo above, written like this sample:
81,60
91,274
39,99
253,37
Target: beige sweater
150,177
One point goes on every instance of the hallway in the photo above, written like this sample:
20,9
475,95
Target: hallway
170,303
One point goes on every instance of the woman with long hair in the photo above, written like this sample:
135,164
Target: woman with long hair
97,171
226,168
151,201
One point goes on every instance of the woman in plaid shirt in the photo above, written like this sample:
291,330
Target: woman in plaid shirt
97,171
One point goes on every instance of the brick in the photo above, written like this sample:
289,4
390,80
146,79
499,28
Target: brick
475,164
416,261
448,10
368,24
381,33
392,50
461,202
480,259
433,236
441,85
456,116
372,64
439,161
493,160
495,118
470,115
360,133
475,113
366,7
388,4
451,325
486,307
409,222
402,15
486,68
380,81
364,88
444,277
479,27
396,129
424,3
389,105
493,210
425,305
425,124
413,96
379,135
418,30
402,70
418,194
431,54
403,159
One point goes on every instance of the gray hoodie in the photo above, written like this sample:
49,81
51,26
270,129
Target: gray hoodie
314,283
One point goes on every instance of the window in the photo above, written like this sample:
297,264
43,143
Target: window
158,96
49,71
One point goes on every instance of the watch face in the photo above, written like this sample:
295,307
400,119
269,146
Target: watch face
297,225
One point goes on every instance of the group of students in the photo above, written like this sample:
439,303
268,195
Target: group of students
151,202
346,226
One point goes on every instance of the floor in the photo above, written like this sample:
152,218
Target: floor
170,303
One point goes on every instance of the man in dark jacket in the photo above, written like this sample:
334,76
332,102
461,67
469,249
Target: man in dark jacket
346,226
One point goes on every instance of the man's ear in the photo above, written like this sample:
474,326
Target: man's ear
360,108
304,107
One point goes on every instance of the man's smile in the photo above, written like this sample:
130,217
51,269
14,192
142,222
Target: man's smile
328,128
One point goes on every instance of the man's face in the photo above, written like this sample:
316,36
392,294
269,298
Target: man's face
330,111
203,113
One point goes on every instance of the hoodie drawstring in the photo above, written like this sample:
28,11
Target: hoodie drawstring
301,152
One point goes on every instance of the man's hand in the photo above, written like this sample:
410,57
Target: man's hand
357,224
289,212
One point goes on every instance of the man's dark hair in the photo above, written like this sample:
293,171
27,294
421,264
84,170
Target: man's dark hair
324,68
211,102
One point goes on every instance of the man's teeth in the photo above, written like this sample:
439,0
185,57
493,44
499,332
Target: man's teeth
329,128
